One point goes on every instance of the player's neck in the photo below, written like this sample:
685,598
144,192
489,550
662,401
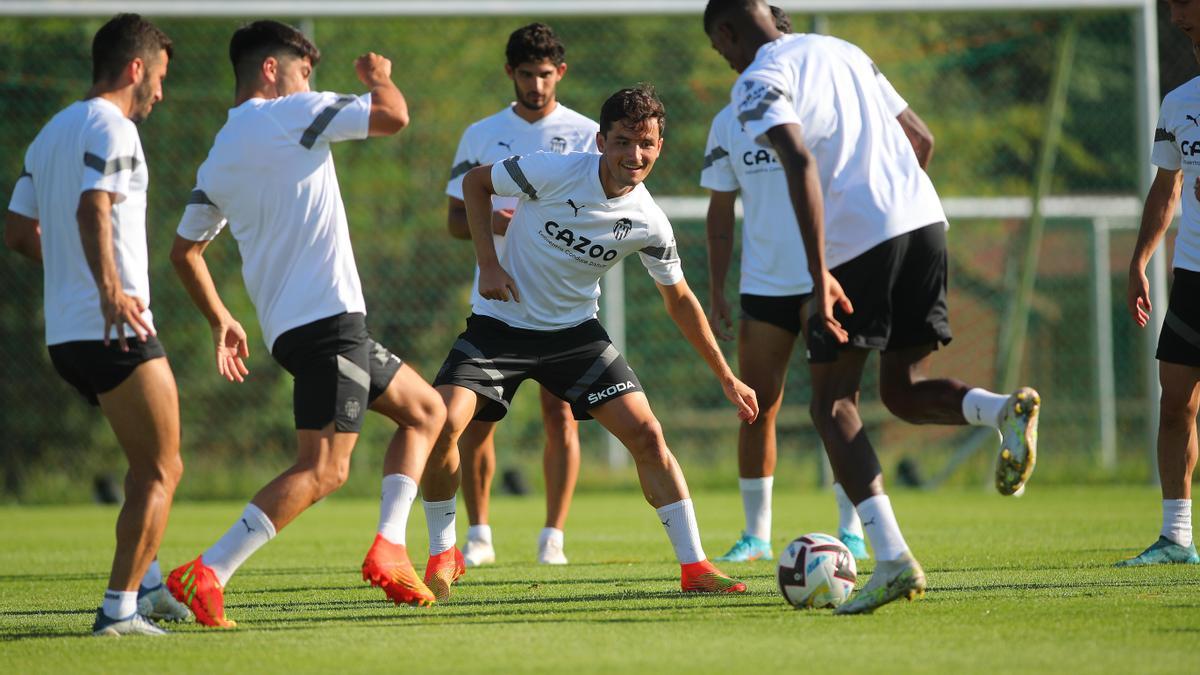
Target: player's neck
612,189
122,98
530,115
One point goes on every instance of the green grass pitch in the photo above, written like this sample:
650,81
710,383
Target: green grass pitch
1015,585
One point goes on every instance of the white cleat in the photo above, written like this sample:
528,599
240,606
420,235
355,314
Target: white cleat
134,624
1018,449
158,604
892,580
478,552
550,552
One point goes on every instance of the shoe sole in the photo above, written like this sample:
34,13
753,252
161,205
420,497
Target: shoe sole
1027,405
912,589
396,592
439,585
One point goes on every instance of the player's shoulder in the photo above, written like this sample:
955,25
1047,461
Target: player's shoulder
487,127
577,119
724,118
101,116
1186,95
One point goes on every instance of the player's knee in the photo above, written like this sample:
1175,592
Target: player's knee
647,443
429,414
898,404
161,473
330,476
1177,411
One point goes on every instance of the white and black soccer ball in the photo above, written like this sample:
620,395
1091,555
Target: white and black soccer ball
816,571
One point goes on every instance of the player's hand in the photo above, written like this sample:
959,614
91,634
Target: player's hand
718,317
500,220
1137,296
829,294
495,284
120,310
743,398
373,69
232,347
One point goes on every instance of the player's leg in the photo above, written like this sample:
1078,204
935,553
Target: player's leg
1177,449
560,465
403,397
477,453
143,411
629,418
763,353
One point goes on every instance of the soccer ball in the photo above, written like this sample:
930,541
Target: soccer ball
816,571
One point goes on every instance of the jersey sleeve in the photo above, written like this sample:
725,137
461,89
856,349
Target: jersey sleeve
717,172
891,98
528,176
659,255
763,101
464,160
1165,153
110,156
202,219
24,197
326,117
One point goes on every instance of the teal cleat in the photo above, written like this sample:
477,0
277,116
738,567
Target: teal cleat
856,544
1163,552
748,548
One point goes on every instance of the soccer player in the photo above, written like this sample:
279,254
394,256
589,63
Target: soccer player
874,236
1175,142
774,285
270,176
535,122
79,209
535,318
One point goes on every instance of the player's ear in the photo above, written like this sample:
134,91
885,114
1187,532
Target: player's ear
270,70
136,70
508,70
562,69
600,142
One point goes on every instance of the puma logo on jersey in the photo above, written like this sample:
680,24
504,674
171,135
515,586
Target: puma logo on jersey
578,242
571,203
597,396
1195,119
507,145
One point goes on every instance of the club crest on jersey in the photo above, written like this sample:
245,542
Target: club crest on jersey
558,144
622,228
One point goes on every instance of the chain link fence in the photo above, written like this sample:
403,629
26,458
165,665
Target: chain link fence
981,81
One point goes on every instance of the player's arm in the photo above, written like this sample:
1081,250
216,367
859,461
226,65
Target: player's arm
389,110
1157,215
804,188
94,215
684,309
23,235
494,282
719,227
232,347
918,134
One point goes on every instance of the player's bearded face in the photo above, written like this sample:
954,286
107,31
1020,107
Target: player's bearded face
149,91
630,151
1185,14
535,82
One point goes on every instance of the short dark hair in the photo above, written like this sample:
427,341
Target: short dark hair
717,8
782,21
124,38
533,43
634,107
253,43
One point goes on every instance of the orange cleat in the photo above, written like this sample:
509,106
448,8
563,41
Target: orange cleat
704,577
388,567
443,570
197,586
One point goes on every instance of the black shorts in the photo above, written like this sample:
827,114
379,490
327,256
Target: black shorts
337,371
94,369
898,290
580,365
1179,341
782,311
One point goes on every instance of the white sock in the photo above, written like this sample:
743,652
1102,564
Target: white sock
439,518
679,519
756,502
395,504
480,533
1177,521
848,519
119,604
982,408
153,576
882,529
242,539
550,534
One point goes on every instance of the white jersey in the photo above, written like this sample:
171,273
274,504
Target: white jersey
504,134
773,262
874,188
1177,147
90,145
566,234
270,175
